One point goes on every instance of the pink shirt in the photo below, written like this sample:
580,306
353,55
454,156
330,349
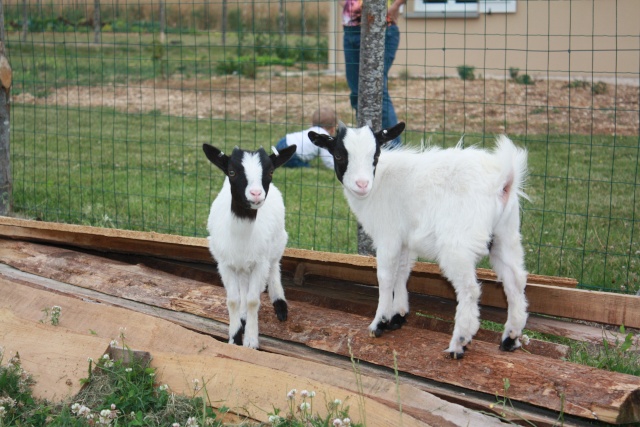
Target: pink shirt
352,13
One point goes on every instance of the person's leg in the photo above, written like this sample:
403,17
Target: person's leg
294,161
352,62
389,117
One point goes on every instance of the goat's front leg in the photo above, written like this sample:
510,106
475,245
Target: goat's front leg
461,273
276,292
400,294
387,267
231,282
257,280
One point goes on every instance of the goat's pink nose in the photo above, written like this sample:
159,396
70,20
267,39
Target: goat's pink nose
256,193
362,183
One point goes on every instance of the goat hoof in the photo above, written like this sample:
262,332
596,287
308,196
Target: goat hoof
280,307
237,337
378,332
396,322
509,344
456,356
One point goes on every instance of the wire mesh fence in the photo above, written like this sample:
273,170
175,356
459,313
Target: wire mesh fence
110,109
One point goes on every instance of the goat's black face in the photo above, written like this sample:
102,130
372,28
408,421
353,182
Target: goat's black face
250,174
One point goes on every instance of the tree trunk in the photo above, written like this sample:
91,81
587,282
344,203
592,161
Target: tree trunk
373,29
5,125
96,22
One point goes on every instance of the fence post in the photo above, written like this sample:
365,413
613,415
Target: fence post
373,27
25,20
224,22
96,22
5,125
163,18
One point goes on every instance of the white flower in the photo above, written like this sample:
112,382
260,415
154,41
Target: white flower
105,356
108,363
304,406
89,359
128,369
312,394
191,422
304,393
113,343
2,412
175,425
337,402
152,374
525,339
292,394
337,422
274,418
163,387
75,408
84,412
347,422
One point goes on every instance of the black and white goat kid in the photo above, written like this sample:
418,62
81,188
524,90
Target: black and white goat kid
454,206
247,236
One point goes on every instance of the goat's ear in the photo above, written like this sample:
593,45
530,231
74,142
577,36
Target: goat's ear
386,135
321,140
216,157
283,156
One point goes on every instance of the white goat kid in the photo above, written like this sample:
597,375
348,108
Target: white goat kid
454,206
247,236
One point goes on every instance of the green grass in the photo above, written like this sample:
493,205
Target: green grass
147,172
50,60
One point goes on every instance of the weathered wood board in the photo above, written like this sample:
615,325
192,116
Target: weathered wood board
539,381
543,293
250,382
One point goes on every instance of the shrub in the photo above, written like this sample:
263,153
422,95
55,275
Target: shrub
466,72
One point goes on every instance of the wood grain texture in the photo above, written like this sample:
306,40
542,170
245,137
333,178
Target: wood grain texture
250,382
586,392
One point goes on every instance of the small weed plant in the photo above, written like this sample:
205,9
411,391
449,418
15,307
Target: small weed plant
300,412
618,354
466,72
51,315
118,393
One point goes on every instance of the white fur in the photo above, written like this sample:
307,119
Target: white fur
248,252
445,205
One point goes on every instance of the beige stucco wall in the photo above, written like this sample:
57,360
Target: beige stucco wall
558,39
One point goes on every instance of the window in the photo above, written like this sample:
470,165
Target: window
463,8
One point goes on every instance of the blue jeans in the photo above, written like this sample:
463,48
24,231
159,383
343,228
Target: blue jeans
295,161
352,67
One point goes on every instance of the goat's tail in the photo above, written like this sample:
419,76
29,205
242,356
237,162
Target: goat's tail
514,165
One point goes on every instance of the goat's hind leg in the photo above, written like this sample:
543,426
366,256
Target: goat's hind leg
507,259
276,292
461,273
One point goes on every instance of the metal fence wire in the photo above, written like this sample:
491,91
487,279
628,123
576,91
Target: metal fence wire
112,100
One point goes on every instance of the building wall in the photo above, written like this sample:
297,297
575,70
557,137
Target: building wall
556,39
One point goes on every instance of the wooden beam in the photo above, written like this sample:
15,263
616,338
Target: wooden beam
556,385
180,355
614,309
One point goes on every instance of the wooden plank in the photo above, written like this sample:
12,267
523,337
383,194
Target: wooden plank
614,309
517,412
230,372
539,381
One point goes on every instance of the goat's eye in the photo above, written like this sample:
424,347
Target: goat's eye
232,173
271,172
338,157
